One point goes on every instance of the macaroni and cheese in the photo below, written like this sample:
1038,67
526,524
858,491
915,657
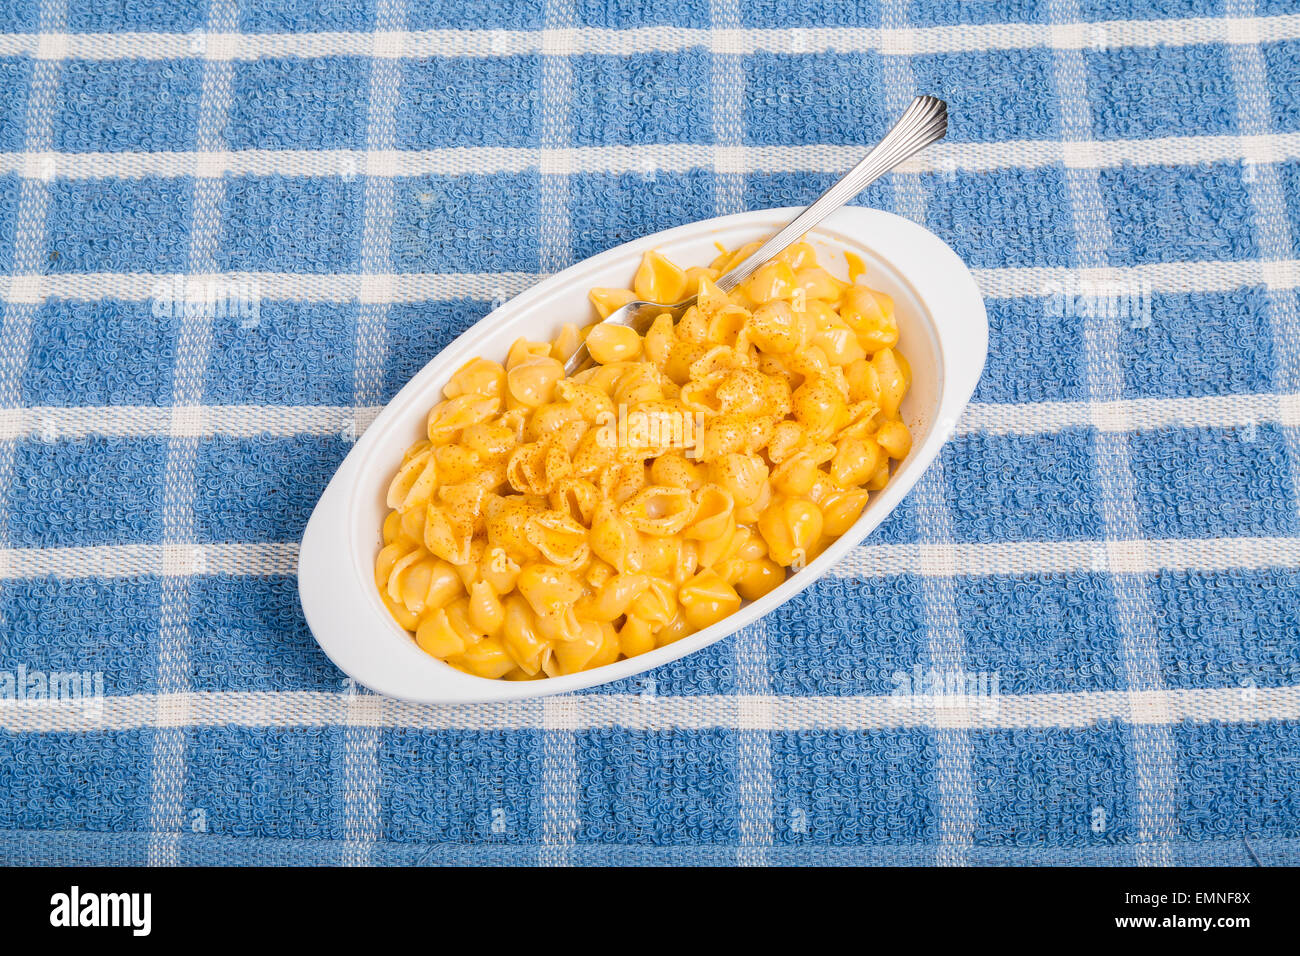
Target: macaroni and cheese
551,524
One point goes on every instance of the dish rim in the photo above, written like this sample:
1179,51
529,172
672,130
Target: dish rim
342,620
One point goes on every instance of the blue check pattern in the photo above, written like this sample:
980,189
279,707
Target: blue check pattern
1106,558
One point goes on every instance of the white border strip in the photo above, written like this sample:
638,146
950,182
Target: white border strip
1151,749
1065,557
558,748
360,777
1135,414
275,286
417,44
132,560
58,423
1271,226
753,759
1170,277
735,158
953,784
639,712
193,350
867,561
1006,283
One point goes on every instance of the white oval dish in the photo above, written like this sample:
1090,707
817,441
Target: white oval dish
943,332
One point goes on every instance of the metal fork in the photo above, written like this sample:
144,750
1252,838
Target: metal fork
925,121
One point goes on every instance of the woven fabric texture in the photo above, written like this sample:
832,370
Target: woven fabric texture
1105,561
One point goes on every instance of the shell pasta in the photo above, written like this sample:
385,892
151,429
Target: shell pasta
550,524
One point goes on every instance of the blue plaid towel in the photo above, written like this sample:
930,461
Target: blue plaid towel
231,229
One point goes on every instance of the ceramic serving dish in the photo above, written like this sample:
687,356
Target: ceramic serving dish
943,332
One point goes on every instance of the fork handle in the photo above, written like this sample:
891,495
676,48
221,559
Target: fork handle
925,121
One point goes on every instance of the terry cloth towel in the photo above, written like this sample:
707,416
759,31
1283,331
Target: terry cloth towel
1105,557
